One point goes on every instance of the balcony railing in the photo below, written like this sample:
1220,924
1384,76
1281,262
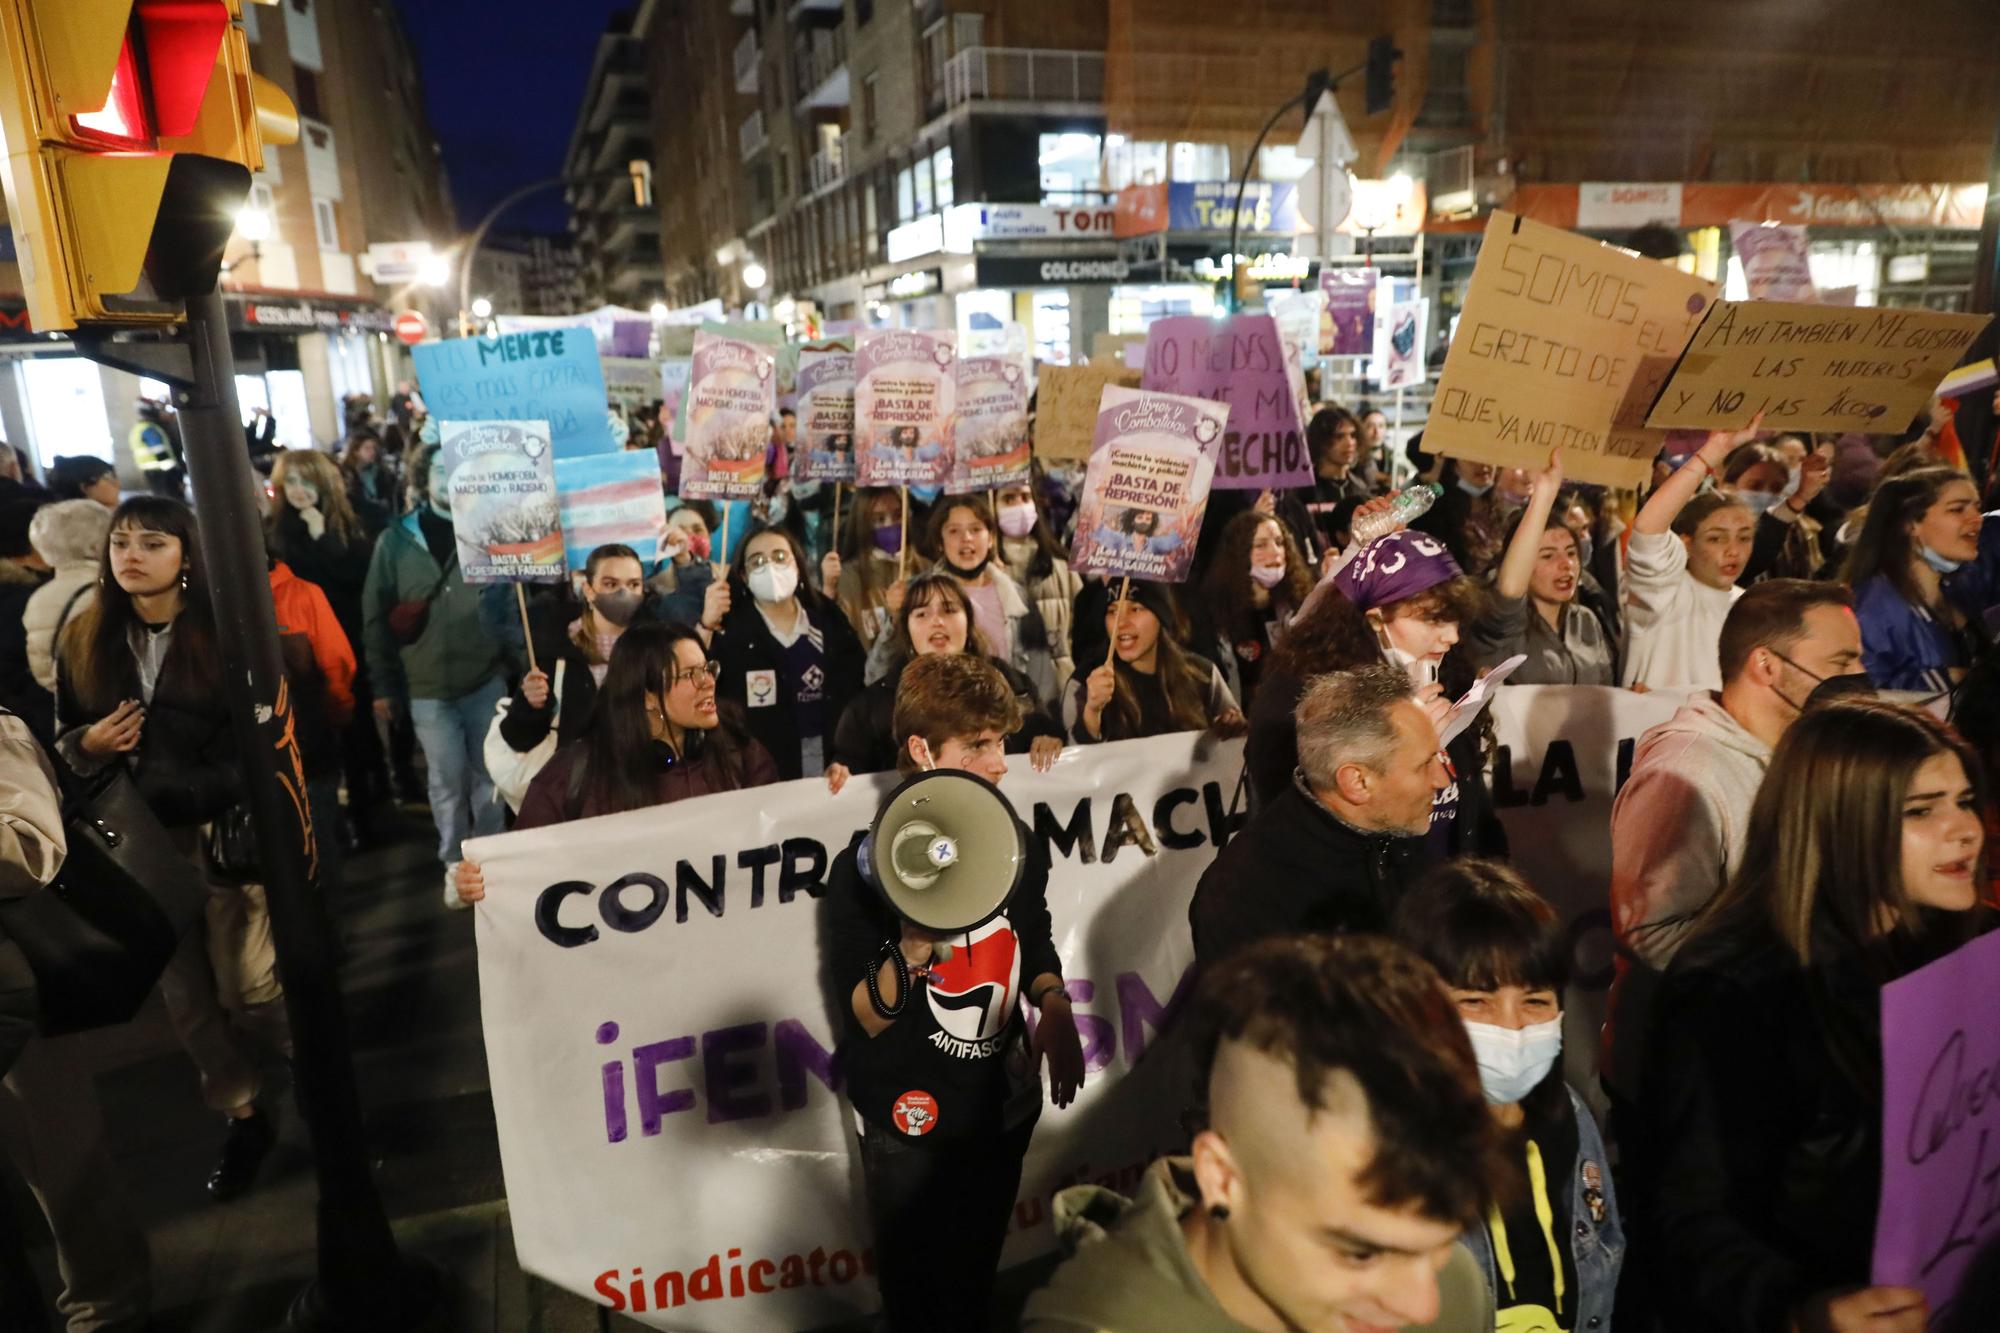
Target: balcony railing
821,72
1020,74
827,166
746,63
750,136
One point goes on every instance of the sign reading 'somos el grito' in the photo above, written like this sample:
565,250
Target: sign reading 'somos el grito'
1564,341
1812,367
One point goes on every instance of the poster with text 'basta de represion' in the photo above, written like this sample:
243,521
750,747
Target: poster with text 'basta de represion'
1146,486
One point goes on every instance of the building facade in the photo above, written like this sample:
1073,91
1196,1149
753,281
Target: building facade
617,238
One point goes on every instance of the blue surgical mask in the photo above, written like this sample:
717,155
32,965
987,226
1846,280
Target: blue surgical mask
775,512
1941,564
1514,1061
1474,491
926,494
1758,502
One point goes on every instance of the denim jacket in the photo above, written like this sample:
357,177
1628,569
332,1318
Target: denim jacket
1597,1237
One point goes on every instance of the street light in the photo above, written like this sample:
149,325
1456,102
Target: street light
435,271
754,276
659,311
253,224
482,308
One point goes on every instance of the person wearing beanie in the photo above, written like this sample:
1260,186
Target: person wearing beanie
21,573
69,537
1149,685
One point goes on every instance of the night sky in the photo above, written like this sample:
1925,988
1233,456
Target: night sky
502,81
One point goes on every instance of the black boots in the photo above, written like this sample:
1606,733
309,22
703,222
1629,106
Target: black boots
248,1142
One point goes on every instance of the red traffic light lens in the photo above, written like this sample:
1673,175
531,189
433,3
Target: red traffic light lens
122,121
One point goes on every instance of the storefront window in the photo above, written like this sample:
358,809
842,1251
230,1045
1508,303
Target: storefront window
941,171
1201,162
982,321
65,399
1069,164
289,408
925,200
251,395
905,194
1128,163
1135,307
1050,333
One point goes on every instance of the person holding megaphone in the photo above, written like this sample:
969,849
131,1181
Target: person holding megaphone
938,926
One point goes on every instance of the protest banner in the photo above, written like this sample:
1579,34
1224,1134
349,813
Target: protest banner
607,499
1347,325
730,401
826,417
1811,367
1774,259
1562,341
905,389
547,375
1066,403
1146,486
1939,1207
630,383
502,484
1240,362
661,1046
1401,362
989,431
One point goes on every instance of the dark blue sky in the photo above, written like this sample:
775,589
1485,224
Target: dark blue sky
502,81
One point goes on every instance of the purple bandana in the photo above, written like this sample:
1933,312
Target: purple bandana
1393,568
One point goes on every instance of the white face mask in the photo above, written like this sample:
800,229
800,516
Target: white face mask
1267,576
1757,502
1514,1061
773,583
1421,670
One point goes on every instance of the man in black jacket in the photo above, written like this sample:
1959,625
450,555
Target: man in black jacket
1335,850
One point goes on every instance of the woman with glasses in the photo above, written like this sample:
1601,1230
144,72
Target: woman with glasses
658,734
788,657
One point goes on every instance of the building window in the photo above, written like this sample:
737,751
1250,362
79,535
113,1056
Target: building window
921,172
905,194
1201,162
864,10
1069,165
1128,163
868,106
307,84
941,171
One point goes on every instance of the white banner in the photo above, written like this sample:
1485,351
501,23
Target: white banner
661,1049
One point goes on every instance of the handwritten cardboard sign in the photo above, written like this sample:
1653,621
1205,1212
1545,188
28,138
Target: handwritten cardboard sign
1066,402
1562,341
1812,367
1152,462
548,375
1940,1123
502,483
1239,362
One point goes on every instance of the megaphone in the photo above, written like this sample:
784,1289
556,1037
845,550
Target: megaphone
945,852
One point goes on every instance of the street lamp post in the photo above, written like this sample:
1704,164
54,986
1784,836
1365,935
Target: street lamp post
1317,82
638,171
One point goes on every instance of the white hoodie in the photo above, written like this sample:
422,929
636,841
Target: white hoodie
1677,831
1673,622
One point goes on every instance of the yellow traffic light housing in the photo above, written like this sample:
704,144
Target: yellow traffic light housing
130,130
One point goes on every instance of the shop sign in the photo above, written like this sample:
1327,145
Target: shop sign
910,286
306,316
912,240
1032,222
1602,204
1269,207
1040,271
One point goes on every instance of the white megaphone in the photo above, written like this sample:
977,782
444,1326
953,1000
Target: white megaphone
945,852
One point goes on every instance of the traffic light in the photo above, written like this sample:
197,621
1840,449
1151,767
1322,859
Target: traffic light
130,129
1382,58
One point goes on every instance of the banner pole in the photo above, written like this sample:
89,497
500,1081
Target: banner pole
834,543
1118,623
903,543
527,636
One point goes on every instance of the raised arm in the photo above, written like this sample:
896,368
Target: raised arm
1518,565
1664,505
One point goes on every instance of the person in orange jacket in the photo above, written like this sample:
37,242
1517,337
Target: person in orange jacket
319,664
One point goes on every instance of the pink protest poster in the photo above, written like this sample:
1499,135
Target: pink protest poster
1940,1124
989,432
731,397
1145,489
826,417
1775,267
1238,362
905,389
1347,325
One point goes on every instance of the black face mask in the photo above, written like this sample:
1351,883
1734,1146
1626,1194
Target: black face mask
1847,685
961,571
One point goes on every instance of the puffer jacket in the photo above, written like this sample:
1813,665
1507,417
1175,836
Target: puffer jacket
70,536
1053,596
455,654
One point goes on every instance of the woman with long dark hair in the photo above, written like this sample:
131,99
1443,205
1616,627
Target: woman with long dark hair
658,734
1254,586
373,485
1150,686
139,685
1924,569
871,560
1756,1158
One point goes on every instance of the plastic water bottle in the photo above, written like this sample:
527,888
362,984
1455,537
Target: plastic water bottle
1410,504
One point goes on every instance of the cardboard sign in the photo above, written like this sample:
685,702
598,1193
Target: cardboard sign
989,432
1940,1124
1145,490
503,499
1066,404
1775,260
1562,341
729,406
825,450
607,499
1812,367
547,375
905,390
1347,326
1241,363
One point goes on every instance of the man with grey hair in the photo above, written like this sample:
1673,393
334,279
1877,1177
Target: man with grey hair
1335,850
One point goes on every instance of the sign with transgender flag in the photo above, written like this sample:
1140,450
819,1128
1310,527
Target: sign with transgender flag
607,498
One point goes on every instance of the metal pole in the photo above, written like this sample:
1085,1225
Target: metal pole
1986,264
1233,301
362,1282
478,236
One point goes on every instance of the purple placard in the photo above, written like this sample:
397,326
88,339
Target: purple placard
1940,1123
825,449
905,390
1145,489
631,337
1347,327
730,404
1239,362
989,431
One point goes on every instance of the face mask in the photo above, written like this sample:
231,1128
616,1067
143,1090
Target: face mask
1421,670
1017,520
778,508
773,583
697,544
963,571
926,494
1586,546
1941,564
441,509
618,608
1792,475
1757,502
889,538
1474,491
1514,1061
1267,576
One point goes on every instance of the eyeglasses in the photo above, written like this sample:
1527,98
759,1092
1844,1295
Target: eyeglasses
761,559
707,671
